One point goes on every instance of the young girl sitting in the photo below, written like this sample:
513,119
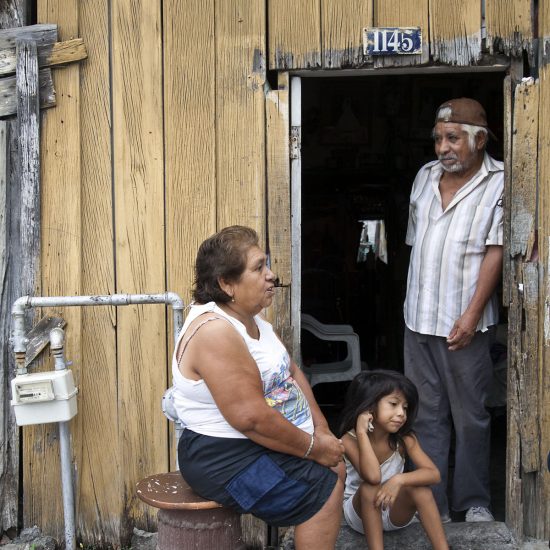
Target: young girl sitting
377,435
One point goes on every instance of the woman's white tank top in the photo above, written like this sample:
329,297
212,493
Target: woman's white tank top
195,405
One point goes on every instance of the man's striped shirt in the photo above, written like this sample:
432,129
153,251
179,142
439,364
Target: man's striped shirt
449,246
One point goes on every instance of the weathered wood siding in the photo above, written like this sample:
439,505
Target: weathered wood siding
509,26
61,266
169,131
543,477
12,14
157,140
526,294
100,500
327,33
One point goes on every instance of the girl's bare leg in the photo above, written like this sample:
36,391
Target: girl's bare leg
363,502
411,499
320,531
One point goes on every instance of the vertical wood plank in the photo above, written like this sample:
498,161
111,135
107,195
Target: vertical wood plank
99,481
240,135
524,169
529,374
240,114
9,450
139,237
395,13
524,173
509,28
342,23
543,511
294,34
13,14
189,79
60,263
455,31
28,128
507,150
514,500
514,510
278,204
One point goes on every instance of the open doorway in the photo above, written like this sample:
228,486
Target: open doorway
363,141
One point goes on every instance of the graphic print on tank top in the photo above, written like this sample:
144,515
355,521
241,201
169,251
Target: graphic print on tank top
283,394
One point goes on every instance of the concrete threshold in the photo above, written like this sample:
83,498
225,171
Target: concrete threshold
461,536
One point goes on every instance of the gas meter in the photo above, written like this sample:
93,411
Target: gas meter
44,397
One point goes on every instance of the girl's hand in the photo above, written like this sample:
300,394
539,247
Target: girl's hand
388,492
364,422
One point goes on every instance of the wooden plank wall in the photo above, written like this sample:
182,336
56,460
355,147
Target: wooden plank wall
100,499
278,214
159,139
138,182
161,144
509,26
543,476
61,266
528,252
12,14
394,13
295,34
327,33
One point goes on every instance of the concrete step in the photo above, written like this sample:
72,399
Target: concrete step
492,535
461,536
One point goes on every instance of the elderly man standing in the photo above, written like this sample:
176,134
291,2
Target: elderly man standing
455,230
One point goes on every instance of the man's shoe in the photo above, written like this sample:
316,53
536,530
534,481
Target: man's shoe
479,513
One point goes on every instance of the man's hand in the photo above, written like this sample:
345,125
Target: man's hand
462,332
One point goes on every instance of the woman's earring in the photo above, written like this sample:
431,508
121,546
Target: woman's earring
370,426
233,299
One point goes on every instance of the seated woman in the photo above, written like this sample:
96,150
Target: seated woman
254,438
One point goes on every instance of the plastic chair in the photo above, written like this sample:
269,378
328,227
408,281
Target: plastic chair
335,371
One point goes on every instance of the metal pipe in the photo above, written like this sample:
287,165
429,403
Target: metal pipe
21,304
67,485
57,341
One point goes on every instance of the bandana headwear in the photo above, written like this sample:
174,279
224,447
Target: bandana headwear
463,111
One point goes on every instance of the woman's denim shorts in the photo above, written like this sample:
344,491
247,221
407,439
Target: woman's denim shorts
280,489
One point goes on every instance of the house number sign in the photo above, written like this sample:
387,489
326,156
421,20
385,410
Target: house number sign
392,40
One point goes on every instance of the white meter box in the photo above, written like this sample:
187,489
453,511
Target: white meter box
43,397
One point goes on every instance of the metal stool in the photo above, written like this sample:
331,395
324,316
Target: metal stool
186,520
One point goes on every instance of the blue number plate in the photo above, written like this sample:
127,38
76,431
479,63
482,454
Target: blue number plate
392,40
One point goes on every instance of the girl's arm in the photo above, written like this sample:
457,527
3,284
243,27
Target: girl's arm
426,473
360,452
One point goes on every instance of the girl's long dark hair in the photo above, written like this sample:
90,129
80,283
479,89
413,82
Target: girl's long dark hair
364,392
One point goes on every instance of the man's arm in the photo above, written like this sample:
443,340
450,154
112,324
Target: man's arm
489,275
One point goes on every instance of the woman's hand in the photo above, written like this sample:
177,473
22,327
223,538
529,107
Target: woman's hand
327,449
364,422
388,492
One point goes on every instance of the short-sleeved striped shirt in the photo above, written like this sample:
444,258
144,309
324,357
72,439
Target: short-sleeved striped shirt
449,246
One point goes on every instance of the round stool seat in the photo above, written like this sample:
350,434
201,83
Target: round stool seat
169,491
